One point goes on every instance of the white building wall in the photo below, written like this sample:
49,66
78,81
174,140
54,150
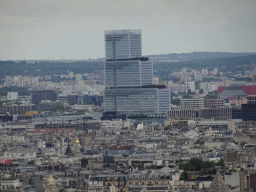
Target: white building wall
190,85
12,95
232,179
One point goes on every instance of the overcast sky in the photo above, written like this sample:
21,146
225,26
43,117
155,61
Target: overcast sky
168,26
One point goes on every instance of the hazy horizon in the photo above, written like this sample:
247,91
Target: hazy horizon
168,26
100,58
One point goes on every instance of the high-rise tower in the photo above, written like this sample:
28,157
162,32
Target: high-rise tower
124,66
128,77
122,44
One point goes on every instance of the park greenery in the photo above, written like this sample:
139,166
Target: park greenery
196,164
9,179
168,128
211,95
199,141
187,97
22,91
175,101
203,167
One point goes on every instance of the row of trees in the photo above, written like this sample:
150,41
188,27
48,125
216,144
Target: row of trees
58,79
11,68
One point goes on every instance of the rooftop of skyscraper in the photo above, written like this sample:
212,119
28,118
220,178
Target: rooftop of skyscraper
122,31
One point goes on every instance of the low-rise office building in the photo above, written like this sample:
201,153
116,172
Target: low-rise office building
15,109
192,103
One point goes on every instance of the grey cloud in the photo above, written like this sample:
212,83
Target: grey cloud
167,25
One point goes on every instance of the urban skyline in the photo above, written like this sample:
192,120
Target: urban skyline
56,137
141,119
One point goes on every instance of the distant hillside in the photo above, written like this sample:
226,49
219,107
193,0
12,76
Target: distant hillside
163,64
195,55
224,64
11,68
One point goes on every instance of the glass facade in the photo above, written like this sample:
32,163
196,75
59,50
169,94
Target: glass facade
124,77
163,100
129,73
146,73
122,73
122,44
137,100
132,100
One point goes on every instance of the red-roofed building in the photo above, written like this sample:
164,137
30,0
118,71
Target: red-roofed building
221,89
250,90
236,91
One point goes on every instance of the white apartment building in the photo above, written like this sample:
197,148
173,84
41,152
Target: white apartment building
192,103
212,133
20,154
190,85
205,71
83,107
9,184
12,138
12,95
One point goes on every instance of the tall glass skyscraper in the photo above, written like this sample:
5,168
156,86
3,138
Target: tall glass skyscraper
128,76
122,44
128,73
